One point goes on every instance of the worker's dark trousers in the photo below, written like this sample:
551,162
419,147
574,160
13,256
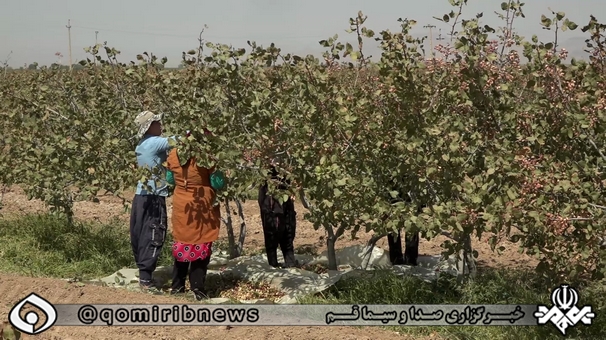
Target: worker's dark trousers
148,223
411,250
197,274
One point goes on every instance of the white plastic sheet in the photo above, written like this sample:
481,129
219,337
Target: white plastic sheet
295,282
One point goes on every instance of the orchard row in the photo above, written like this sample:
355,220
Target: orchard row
489,144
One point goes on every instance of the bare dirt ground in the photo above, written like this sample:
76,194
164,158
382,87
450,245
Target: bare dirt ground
13,288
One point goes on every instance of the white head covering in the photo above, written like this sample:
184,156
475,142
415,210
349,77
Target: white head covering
144,121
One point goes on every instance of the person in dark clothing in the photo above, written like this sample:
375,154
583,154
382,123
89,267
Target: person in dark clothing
394,240
279,224
148,221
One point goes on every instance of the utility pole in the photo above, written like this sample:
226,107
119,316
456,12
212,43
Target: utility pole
96,43
69,34
431,27
439,38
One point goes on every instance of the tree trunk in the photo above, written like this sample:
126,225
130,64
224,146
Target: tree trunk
330,245
233,251
332,236
470,259
242,235
64,208
4,190
370,246
466,265
330,249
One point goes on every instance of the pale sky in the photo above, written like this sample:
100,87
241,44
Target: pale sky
34,30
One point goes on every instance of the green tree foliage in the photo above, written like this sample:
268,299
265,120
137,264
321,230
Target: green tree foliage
487,143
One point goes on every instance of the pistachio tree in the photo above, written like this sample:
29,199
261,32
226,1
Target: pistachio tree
488,139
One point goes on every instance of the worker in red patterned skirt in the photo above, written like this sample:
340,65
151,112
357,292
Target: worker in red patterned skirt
195,222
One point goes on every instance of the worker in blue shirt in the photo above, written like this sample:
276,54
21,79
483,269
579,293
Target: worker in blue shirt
148,221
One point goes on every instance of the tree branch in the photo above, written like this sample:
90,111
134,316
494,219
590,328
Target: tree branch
242,236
